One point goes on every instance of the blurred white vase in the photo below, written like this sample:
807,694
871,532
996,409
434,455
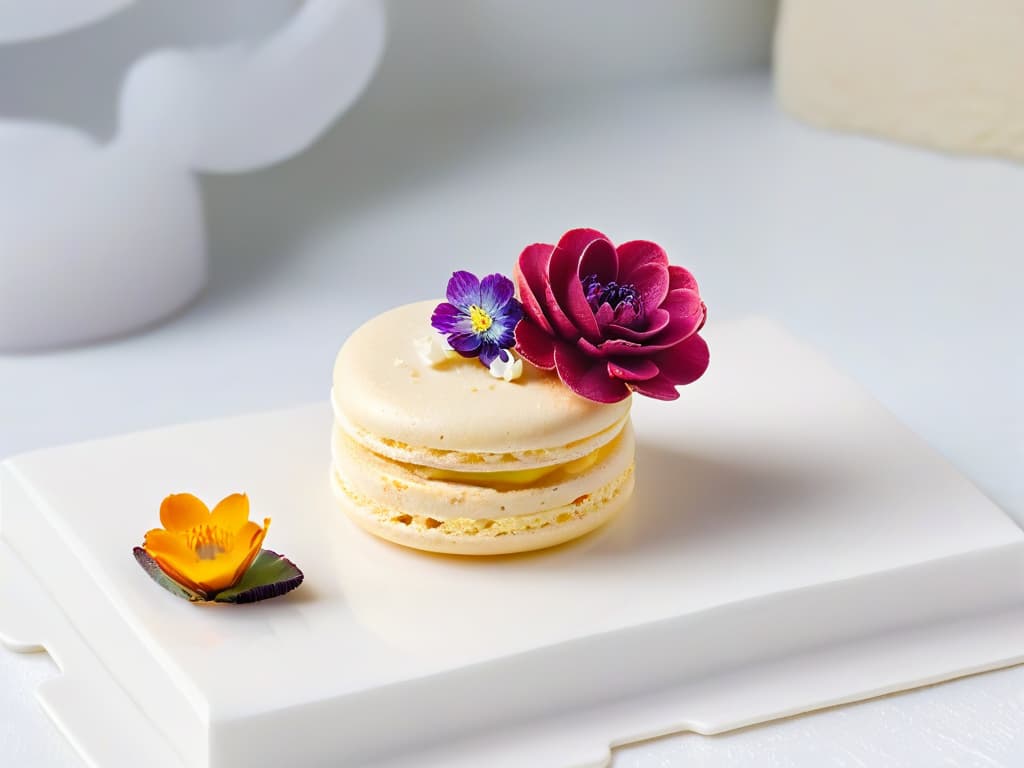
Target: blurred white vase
101,238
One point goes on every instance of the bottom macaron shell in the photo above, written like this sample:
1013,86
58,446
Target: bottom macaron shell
502,536
393,486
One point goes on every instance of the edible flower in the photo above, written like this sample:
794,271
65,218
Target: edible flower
480,316
507,366
435,349
610,320
214,556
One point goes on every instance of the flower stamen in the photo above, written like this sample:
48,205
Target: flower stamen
611,293
208,541
480,319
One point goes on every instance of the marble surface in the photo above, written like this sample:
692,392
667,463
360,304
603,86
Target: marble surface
903,265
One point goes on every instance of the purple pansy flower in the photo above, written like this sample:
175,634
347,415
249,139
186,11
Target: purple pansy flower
480,316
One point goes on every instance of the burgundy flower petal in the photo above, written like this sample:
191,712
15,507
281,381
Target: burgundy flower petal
463,290
684,301
531,275
589,349
656,322
684,363
605,316
637,253
679,277
587,377
633,369
557,314
615,347
686,317
599,259
628,316
651,280
575,241
660,388
563,271
535,345
666,339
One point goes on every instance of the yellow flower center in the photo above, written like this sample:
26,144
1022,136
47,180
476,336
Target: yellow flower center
208,541
481,320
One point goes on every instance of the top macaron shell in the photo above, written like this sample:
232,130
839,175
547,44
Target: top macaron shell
454,414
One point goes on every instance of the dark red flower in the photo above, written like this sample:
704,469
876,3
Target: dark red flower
610,320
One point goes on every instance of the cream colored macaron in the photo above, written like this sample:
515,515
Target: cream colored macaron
445,457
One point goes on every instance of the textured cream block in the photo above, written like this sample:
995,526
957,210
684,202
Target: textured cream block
948,74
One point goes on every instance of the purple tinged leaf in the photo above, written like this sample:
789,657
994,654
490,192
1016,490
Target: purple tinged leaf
270,575
153,570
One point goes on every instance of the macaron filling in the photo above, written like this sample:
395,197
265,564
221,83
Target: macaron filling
513,478
411,488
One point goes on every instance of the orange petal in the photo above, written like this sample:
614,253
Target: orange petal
252,544
160,542
214,575
227,568
174,557
183,565
231,513
174,569
248,534
181,511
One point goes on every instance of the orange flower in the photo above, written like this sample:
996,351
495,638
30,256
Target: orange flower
205,551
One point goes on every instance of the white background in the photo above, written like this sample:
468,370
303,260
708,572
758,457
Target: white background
906,267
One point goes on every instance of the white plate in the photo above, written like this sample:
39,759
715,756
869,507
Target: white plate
791,546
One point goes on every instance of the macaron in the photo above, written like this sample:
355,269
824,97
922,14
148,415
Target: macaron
444,457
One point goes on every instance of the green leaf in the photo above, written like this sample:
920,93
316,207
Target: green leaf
270,575
150,566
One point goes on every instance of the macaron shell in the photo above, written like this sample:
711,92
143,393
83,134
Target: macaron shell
388,398
469,461
398,487
506,536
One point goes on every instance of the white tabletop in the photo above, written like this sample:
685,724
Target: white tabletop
904,266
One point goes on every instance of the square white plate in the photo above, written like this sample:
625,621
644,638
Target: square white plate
790,546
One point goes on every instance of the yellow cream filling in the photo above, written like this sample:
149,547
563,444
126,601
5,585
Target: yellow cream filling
516,477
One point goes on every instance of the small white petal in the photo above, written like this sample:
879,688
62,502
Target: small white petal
507,369
434,349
